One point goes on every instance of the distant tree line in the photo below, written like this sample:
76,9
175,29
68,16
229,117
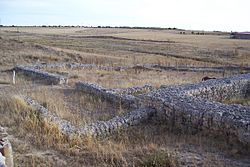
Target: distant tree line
198,33
128,27
122,27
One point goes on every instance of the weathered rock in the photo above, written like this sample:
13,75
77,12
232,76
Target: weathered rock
135,90
104,128
194,106
155,67
64,126
100,128
50,78
128,101
71,66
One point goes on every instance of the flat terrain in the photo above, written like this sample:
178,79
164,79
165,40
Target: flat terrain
149,144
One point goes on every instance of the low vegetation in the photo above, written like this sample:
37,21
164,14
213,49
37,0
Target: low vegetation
76,107
37,142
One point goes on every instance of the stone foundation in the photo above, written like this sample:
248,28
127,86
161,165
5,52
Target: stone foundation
194,107
50,78
100,128
155,67
64,126
112,96
136,90
105,128
71,66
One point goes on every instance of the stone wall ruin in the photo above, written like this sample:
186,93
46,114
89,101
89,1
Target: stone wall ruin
50,78
125,100
100,128
195,107
155,67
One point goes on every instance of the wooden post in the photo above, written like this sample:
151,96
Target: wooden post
14,77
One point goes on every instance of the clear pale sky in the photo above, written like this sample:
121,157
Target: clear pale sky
223,15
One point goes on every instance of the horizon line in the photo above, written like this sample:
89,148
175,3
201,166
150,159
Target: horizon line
129,27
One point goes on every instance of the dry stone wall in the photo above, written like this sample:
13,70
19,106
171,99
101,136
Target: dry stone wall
221,89
64,126
50,78
112,96
105,128
136,90
74,66
155,67
194,107
6,155
100,128
234,69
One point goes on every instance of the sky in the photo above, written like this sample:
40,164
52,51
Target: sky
212,15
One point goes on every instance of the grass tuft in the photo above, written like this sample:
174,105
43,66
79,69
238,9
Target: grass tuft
159,159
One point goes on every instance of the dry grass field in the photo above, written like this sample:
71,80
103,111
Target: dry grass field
37,143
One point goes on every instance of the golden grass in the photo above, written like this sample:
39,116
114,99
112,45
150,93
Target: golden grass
133,77
78,108
64,30
72,47
145,145
202,50
27,124
37,142
5,78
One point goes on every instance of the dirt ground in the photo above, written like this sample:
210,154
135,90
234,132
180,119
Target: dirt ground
151,144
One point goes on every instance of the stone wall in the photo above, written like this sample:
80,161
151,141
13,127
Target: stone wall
155,67
136,90
6,155
218,69
220,89
71,66
50,78
194,107
104,128
64,126
191,106
100,128
112,96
